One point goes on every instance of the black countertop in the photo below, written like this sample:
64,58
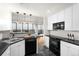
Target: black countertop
3,47
72,41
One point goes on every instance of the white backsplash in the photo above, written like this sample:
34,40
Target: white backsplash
64,34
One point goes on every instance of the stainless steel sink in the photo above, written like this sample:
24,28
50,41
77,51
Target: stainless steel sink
12,40
15,40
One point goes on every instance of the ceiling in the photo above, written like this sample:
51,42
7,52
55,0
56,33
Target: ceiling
44,9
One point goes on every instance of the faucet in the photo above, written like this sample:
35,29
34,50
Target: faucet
11,35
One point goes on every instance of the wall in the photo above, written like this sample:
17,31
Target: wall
45,24
4,34
64,34
5,17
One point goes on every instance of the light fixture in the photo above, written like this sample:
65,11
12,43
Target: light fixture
23,19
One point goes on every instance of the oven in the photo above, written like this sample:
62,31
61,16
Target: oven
54,45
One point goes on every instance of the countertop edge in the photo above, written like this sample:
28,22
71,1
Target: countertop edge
75,42
8,46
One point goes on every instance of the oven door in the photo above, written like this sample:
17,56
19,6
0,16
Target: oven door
54,46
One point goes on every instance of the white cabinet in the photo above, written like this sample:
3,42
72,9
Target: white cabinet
14,49
64,49
72,18
18,49
60,16
70,15
68,49
46,39
22,48
7,52
68,18
51,19
76,17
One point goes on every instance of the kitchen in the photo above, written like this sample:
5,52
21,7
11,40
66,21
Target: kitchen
39,29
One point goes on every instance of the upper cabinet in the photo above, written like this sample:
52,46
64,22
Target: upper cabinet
76,17
68,18
51,19
60,16
69,15
72,17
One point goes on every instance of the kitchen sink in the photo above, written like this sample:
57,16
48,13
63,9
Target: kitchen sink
12,40
15,40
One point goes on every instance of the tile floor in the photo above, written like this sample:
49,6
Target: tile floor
43,51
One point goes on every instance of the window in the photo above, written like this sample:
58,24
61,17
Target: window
14,26
25,26
19,27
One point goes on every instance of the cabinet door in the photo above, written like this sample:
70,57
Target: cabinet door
52,19
18,49
15,50
64,49
60,16
76,17
68,49
68,18
22,48
7,52
46,41
73,49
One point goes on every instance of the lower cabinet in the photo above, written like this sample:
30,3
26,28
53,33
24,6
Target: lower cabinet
18,49
46,41
7,52
22,48
68,49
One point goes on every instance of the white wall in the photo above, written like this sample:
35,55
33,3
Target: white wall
64,34
45,24
5,17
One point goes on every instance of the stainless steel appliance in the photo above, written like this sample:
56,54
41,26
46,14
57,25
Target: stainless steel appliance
59,26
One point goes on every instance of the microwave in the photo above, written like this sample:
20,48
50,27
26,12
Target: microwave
59,26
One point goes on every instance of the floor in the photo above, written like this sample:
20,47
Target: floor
43,51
